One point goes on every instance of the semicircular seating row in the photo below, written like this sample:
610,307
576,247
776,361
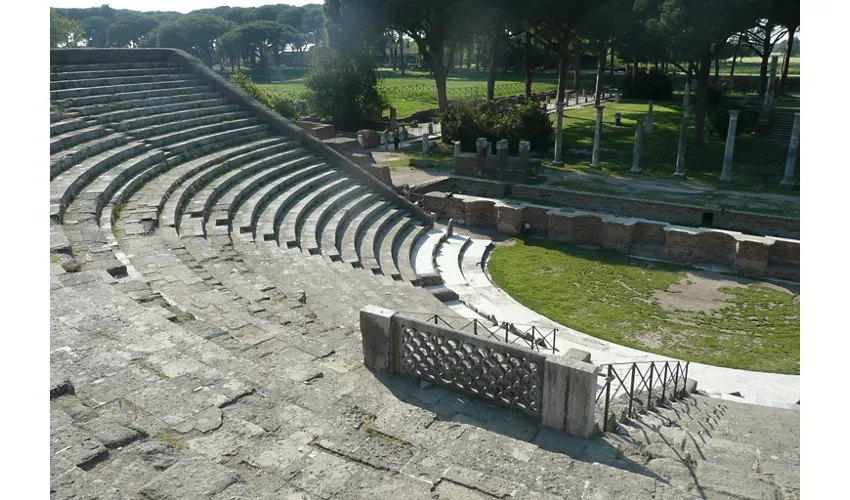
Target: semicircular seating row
155,175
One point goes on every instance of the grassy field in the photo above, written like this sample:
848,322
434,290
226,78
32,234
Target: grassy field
613,297
759,162
752,65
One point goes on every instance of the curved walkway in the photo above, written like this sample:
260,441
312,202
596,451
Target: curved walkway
465,274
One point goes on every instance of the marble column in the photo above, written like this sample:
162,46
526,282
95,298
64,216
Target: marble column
683,135
638,145
458,150
649,124
559,132
424,143
793,149
768,94
726,176
686,99
594,162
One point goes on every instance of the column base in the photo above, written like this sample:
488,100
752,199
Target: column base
679,175
557,163
597,166
634,170
725,178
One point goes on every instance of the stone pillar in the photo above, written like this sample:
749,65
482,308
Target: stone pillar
458,151
450,228
793,149
638,145
583,95
403,133
559,132
392,118
594,162
524,152
424,143
375,328
502,149
686,99
569,393
618,119
683,135
648,125
617,97
489,148
726,176
480,147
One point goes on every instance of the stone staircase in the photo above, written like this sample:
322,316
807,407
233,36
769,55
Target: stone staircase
207,273
781,123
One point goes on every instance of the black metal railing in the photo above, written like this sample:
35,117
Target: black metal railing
637,381
530,336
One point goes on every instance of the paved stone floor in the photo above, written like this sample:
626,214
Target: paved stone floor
149,404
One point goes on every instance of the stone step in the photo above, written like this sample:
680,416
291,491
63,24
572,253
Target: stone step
65,159
55,116
203,132
184,125
448,260
77,136
367,248
112,66
107,73
80,102
352,234
267,218
246,215
65,187
472,263
292,222
258,185
270,167
310,231
173,115
227,135
70,124
331,237
121,110
105,186
74,94
403,255
108,81
425,251
386,245
180,197
441,292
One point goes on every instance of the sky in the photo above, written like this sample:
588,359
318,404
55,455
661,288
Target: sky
182,6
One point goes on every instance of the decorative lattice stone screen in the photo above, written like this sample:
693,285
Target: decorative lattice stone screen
501,374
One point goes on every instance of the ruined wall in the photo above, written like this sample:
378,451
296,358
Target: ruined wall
752,255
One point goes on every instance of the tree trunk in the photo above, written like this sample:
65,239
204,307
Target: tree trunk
704,72
717,68
478,58
468,56
440,80
562,76
529,69
392,58
491,71
577,67
765,57
452,49
611,67
786,61
634,68
734,58
600,74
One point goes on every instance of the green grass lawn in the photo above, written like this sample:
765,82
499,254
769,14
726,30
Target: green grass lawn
611,296
752,65
759,163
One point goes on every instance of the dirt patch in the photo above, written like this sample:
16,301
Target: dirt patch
700,291
651,340
386,157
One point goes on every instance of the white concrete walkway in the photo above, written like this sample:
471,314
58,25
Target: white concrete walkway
460,265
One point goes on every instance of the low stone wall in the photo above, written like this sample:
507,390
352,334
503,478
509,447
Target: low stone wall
560,391
321,131
219,84
673,213
759,256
